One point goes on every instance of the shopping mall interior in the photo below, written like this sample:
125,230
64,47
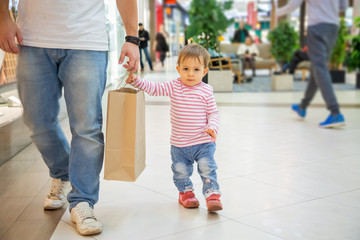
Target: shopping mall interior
281,177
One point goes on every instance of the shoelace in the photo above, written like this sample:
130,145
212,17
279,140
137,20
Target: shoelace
85,213
56,190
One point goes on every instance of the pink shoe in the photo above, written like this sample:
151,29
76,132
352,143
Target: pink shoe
188,200
213,203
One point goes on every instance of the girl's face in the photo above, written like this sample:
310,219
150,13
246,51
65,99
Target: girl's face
192,71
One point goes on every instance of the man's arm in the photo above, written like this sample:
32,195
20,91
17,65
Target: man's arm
288,8
129,14
8,30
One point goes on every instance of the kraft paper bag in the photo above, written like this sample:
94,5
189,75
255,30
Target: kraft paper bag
125,135
8,69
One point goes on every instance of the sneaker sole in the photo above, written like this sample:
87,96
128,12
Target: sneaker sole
213,207
52,208
87,232
297,115
333,125
90,232
191,205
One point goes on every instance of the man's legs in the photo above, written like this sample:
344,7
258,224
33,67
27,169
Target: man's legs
141,62
162,57
298,57
310,91
147,55
83,74
243,63
321,40
40,90
252,65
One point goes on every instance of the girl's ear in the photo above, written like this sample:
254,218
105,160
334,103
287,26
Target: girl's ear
206,70
178,68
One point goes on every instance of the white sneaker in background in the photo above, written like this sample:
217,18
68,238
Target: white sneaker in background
86,223
57,195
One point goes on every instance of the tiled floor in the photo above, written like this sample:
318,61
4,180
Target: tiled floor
281,178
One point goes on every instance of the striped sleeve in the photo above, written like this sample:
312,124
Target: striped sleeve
212,113
154,88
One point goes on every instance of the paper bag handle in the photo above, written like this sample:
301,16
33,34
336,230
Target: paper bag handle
122,80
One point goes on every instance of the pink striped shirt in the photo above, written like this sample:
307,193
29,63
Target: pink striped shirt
193,109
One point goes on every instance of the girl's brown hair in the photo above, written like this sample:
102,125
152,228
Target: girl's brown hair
194,50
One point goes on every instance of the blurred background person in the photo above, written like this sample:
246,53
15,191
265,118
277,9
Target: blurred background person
299,56
248,52
160,44
323,26
144,38
241,33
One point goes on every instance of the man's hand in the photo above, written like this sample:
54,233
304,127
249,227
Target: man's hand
132,52
8,31
212,133
131,78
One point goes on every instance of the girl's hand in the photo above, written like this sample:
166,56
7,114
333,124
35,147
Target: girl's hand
131,78
212,133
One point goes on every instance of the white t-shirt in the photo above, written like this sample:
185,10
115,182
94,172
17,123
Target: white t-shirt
63,24
318,11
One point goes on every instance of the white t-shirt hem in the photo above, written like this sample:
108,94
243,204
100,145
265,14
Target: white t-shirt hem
92,47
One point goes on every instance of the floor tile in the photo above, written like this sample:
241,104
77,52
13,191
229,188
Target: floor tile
315,220
15,167
35,209
153,213
241,196
10,210
241,163
66,231
229,230
350,163
25,185
311,179
351,198
31,230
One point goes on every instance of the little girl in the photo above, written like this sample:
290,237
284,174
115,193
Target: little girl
194,122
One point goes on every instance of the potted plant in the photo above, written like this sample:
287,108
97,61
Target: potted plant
338,55
284,41
207,23
354,58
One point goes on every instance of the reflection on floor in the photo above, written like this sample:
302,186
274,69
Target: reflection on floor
281,178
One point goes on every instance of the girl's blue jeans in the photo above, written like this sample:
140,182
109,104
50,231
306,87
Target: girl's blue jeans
183,159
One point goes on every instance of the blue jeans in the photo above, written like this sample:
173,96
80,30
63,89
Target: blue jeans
147,55
183,159
41,74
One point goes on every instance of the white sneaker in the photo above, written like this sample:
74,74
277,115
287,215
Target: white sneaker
86,223
57,195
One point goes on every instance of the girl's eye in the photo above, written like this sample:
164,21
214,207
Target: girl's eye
196,69
185,69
